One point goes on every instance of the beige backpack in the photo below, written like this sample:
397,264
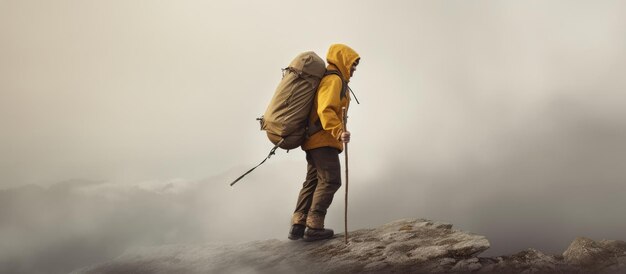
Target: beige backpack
286,118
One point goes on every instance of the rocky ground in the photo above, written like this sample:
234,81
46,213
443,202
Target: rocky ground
403,246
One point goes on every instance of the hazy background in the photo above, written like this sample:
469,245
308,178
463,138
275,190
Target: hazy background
123,122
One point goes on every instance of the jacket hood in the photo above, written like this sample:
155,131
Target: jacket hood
342,57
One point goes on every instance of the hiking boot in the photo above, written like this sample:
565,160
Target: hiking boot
296,232
313,234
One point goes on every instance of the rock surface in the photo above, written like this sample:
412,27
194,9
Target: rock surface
596,256
409,245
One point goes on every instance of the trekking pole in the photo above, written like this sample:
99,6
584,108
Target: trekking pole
345,147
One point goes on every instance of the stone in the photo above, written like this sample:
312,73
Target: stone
403,246
587,252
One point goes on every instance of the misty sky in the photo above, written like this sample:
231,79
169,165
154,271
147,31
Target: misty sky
122,122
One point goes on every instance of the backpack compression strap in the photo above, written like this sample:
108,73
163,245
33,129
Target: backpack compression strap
272,152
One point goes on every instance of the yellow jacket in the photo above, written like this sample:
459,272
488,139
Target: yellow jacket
327,106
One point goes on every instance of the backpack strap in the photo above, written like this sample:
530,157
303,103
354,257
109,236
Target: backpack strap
313,128
316,126
272,152
344,86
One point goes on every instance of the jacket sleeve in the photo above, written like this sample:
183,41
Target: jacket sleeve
329,105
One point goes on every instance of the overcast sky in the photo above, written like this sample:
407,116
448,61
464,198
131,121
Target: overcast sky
505,118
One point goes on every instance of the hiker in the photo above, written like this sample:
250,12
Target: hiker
322,148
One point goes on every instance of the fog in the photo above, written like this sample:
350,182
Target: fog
123,122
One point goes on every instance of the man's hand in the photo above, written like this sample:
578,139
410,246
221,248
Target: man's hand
345,136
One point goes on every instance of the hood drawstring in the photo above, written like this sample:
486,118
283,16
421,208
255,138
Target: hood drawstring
356,99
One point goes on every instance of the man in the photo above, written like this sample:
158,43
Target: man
323,147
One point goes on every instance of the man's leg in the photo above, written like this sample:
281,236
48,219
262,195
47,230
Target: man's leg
298,220
326,160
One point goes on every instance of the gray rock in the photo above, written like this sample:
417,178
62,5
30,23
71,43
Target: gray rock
409,244
587,252
526,261
616,247
603,256
404,246
467,265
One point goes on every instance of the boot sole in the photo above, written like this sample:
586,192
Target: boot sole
308,239
294,237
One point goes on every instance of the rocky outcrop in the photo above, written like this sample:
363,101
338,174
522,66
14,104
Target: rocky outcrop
602,256
409,245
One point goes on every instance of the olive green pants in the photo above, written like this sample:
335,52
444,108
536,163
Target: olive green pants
323,178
